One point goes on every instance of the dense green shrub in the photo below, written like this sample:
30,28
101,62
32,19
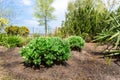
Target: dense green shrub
16,30
3,39
76,42
46,51
13,41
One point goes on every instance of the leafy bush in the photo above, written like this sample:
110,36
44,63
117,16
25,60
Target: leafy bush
76,42
12,30
2,39
13,41
46,51
16,30
24,31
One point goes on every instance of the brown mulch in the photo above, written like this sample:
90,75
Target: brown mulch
88,64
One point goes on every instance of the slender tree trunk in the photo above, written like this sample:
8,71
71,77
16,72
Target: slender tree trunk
46,28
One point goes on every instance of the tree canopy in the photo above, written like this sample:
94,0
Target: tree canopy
43,12
85,18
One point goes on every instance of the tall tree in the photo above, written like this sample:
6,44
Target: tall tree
43,12
85,18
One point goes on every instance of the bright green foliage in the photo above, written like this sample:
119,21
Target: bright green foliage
16,30
76,42
47,51
3,39
11,41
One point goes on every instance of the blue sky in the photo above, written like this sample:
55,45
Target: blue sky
25,11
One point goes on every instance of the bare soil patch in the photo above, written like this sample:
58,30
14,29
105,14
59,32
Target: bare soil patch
88,64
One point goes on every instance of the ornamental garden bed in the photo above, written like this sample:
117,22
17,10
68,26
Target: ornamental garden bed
88,64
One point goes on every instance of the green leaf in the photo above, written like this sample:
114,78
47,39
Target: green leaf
115,35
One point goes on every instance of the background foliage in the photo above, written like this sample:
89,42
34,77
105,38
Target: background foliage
16,30
111,36
86,18
3,23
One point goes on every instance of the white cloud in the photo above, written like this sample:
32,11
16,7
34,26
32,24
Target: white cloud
60,5
32,23
27,2
60,9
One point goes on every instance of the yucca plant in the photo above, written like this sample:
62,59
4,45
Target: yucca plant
111,37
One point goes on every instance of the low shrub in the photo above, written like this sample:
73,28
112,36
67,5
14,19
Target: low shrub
13,41
3,39
24,31
76,42
12,30
46,51
16,30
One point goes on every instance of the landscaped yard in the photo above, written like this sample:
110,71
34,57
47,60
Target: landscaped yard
59,39
88,64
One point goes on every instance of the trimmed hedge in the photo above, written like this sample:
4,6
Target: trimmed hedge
46,51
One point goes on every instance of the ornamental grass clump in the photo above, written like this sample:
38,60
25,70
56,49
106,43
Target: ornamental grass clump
46,50
76,42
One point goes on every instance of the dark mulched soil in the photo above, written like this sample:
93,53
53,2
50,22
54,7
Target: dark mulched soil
88,64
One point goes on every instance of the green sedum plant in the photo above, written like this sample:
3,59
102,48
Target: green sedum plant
46,50
76,42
